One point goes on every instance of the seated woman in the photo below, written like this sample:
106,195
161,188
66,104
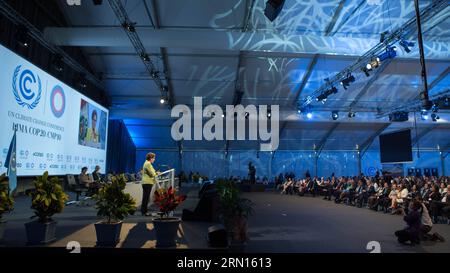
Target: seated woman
391,197
399,199
287,186
348,191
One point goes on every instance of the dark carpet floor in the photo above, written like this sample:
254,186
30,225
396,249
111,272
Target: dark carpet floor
284,223
280,224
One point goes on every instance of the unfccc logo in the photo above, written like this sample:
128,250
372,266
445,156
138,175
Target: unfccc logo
58,101
27,88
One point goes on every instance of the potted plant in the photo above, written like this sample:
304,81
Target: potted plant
47,199
234,212
113,204
166,227
6,202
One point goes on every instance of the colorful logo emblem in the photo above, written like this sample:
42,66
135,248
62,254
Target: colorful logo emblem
58,101
27,88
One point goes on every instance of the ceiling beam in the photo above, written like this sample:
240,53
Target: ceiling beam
132,37
163,51
366,144
232,41
248,15
439,78
344,21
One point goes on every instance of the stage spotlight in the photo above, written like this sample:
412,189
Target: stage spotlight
309,115
129,27
80,81
269,113
366,71
322,97
223,115
435,108
346,82
331,91
406,45
145,57
351,114
154,74
383,36
390,52
434,117
57,63
373,64
162,100
273,9
335,115
22,37
424,114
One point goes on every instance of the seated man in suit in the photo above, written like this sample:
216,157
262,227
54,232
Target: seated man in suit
96,175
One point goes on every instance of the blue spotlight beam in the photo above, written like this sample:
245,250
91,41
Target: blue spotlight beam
407,30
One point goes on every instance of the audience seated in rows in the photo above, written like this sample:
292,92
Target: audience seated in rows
427,198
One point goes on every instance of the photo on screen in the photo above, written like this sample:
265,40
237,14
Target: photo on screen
92,128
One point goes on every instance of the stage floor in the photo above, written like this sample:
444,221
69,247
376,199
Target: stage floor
285,223
76,223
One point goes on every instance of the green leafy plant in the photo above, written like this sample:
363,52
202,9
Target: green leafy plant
167,200
6,201
112,202
234,210
48,198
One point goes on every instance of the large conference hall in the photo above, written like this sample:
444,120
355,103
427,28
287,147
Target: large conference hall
225,126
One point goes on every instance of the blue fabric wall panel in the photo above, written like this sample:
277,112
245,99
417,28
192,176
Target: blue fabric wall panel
210,164
370,163
298,162
425,160
339,163
121,153
342,163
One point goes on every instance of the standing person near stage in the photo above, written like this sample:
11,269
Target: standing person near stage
252,173
148,180
307,174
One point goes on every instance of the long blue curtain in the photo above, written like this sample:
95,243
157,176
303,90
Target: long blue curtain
121,154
